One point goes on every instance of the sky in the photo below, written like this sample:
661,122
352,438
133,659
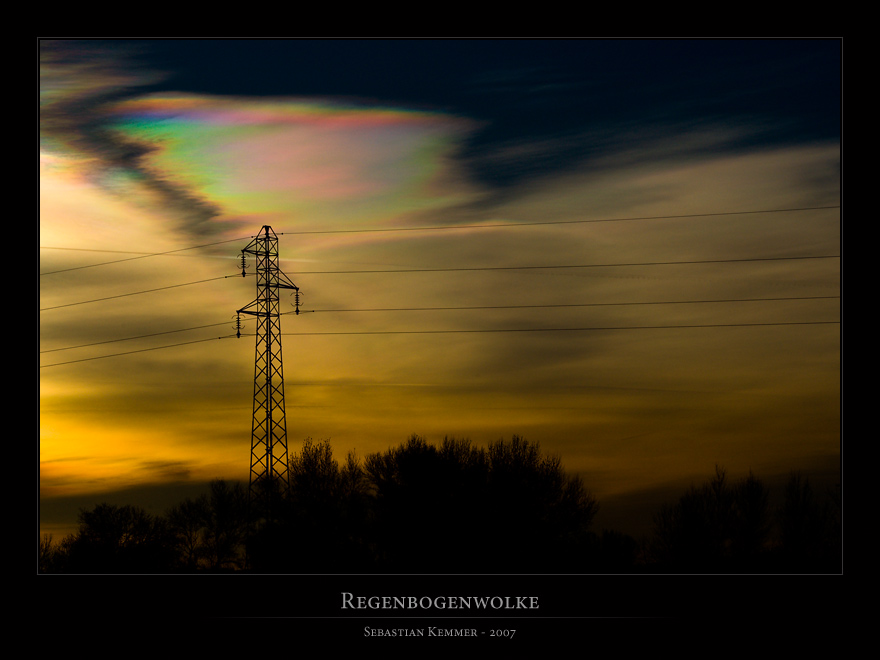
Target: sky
626,250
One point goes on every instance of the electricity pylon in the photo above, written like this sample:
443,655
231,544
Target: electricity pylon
269,474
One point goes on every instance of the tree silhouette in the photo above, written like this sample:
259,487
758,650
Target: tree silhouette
452,508
322,527
750,521
209,531
119,539
613,552
714,528
188,522
810,533
428,504
456,508
537,508
226,525
49,556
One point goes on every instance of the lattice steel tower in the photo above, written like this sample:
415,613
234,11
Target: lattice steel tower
269,474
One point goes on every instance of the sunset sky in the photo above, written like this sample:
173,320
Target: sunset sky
627,251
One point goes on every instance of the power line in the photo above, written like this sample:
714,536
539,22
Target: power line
548,267
135,293
473,331
140,350
550,306
466,269
445,228
140,256
112,341
459,308
556,222
583,329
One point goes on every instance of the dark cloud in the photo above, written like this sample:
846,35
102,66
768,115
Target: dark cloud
167,470
544,106
81,84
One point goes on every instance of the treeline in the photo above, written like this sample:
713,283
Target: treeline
450,508
729,527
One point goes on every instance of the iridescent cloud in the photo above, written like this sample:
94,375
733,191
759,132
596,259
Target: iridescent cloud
294,160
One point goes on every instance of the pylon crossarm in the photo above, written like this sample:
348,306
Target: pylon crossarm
285,283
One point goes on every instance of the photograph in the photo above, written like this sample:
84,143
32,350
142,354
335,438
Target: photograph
441,337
